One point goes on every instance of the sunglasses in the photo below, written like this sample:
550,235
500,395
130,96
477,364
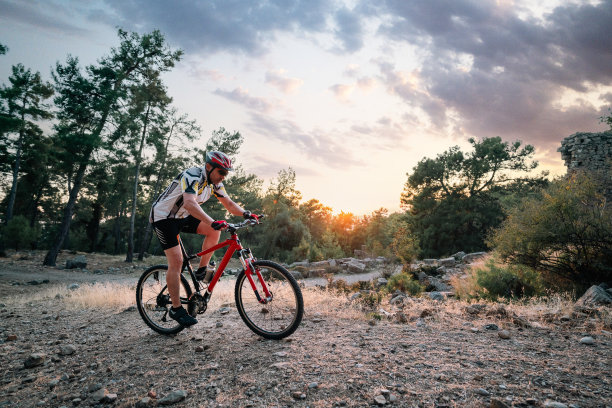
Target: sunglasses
223,172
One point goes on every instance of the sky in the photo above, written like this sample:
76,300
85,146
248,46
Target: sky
352,94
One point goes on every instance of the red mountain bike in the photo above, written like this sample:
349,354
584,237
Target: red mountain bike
268,297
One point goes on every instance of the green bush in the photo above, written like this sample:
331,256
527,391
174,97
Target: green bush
18,233
405,283
503,281
566,232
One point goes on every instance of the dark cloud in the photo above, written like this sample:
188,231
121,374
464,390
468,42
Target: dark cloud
242,97
349,30
321,148
50,15
492,73
223,25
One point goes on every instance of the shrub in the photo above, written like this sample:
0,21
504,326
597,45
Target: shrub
405,283
566,232
18,233
494,281
404,245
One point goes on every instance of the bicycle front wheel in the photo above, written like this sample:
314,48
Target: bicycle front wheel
279,317
153,300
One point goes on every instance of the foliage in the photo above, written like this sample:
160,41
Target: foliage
405,246
607,119
567,231
456,198
405,283
19,234
494,281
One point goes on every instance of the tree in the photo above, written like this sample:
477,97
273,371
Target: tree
147,100
565,231
86,101
456,198
171,127
3,49
24,103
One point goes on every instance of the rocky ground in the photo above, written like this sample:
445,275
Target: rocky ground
438,354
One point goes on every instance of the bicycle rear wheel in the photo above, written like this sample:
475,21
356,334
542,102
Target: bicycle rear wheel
281,316
153,300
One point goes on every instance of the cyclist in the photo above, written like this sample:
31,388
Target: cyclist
178,209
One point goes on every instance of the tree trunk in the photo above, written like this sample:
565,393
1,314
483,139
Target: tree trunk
13,194
146,240
117,228
130,252
51,256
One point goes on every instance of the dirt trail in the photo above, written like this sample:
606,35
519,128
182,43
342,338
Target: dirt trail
441,357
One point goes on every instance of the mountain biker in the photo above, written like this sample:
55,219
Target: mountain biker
178,209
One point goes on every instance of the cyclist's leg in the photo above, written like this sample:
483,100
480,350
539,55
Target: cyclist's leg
212,239
174,256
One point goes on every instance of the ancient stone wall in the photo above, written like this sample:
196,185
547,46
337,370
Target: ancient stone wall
590,152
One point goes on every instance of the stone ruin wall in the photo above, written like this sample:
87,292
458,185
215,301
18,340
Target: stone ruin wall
590,152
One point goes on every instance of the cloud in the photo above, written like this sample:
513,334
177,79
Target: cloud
242,97
491,72
48,15
342,91
221,25
283,83
268,168
349,30
318,146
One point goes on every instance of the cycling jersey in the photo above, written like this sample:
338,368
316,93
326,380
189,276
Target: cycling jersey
192,181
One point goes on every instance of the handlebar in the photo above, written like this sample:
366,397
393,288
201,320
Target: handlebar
231,228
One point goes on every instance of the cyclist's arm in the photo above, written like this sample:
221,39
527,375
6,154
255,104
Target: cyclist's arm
194,209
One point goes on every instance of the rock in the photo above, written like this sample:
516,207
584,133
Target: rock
380,400
313,385
459,255
67,350
438,285
173,397
380,282
554,404
474,256
199,349
483,392
398,300
588,340
594,296
495,403
446,262
296,274
11,337
298,395
100,395
77,262
504,334
317,273
401,317
435,295
320,264
143,403
491,326
34,360
355,266
475,309
73,286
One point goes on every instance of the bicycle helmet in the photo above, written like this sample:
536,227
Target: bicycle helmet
219,159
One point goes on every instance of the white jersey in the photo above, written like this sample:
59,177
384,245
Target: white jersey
192,181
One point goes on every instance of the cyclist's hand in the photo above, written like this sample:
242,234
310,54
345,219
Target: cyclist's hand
219,225
250,216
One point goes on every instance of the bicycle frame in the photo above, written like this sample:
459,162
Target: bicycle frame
233,244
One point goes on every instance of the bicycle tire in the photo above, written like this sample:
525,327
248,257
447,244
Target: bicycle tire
280,317
153,301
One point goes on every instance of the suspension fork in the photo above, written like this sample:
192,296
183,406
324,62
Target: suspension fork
249,269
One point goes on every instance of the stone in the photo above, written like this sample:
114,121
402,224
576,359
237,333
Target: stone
504,334
554,404
79,262
588,340
298,395
355,266
296,274
100,395
446,262
483,392
475,309
73,286
474,256
34,360
495,403
435,295
380,400
491,326
595,296
173,397
11,337
67,350
458,256
380,282
143,403
320,264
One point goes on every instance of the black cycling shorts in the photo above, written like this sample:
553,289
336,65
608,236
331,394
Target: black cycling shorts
168,230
